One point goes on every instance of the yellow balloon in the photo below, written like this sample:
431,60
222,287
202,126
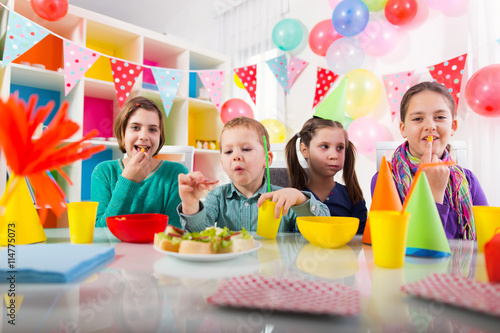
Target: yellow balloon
363,92
276,130
238,82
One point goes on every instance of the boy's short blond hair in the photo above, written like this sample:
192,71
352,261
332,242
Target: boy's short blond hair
250,124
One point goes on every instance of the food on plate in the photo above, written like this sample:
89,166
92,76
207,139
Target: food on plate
212,240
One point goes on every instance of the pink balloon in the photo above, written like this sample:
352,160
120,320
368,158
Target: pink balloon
442,5
482,92
50,10
322,36
379,38
364,132
233,108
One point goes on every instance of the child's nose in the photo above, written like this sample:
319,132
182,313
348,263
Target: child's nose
429,125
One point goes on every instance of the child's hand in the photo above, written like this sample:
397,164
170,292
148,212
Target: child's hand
137,168
191,188
436,175
284,198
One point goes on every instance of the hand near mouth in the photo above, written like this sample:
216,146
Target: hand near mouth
437,175
192,187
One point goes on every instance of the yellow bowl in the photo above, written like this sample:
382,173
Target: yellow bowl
328,231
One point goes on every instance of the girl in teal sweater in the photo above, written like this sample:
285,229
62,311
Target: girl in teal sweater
138,183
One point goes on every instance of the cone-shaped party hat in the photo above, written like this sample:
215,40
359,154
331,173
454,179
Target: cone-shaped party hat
385,196
426,236
333,106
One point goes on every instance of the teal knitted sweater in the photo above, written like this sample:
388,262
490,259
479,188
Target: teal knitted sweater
158,193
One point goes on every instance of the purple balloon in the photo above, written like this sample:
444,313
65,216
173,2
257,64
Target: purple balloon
350,17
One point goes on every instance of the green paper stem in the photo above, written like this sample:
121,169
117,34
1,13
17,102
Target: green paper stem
267,165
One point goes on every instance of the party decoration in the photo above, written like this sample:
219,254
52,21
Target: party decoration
278,66
492,257
363,92
333,107
379,38
124,76
347,122
345,55
364,132
400,12
77,61
442,5
276,130
248,76
22,34
167,81
294,68
350,17
237,81
449,73
375,5
322,36
50,10
481,92
385,196
287,34
324,82
426,236
233,108
213,81
395,86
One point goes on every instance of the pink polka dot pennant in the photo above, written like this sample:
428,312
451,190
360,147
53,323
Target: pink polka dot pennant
449,73
22,35
395,86
248,76
77,61
324,81
213,81
124,75
167,81
295,67
278,66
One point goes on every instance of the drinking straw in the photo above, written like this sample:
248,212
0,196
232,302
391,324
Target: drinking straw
267,165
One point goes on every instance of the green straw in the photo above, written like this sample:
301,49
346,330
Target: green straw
267,165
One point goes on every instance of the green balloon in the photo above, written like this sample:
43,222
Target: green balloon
287,34
375,5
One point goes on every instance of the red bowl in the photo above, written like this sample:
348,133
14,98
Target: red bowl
137,228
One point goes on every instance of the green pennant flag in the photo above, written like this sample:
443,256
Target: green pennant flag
333,106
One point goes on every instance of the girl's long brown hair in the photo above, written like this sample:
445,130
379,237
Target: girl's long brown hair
298,176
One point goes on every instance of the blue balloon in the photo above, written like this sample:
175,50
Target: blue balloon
350,17
287,34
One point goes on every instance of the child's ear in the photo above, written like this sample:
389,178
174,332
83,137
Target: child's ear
270,157
402,129
304,150
454,126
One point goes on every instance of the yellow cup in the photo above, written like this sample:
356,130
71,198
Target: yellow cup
267,224
81,219
486,219
388,231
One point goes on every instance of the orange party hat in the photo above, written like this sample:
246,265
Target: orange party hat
385,196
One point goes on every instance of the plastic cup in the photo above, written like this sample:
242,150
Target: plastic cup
486,219
389,230
81,219
267,224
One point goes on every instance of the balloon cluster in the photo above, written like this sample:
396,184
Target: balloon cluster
50,10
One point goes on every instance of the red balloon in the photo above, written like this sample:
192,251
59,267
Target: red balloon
50,10
400,12
482,92
322,36
233,108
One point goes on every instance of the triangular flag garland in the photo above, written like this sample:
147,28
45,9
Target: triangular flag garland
213,81
124,75
324,82
396,86
22,35
295,67
333,107
248,76
167,81
77,61
279,68
449,73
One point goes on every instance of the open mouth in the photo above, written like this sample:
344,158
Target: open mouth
239,169
142,148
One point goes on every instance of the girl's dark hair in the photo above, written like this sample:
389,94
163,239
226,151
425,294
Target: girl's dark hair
426,86
298,176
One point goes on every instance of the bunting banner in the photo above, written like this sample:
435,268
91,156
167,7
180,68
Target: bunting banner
324,81
248,76
167,81
22,34
396,86
278,67
449,73
77,61
124,75
213,81
295,67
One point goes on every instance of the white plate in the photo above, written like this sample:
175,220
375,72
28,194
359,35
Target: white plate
209,257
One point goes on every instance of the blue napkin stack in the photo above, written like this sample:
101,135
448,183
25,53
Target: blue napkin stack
52,263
